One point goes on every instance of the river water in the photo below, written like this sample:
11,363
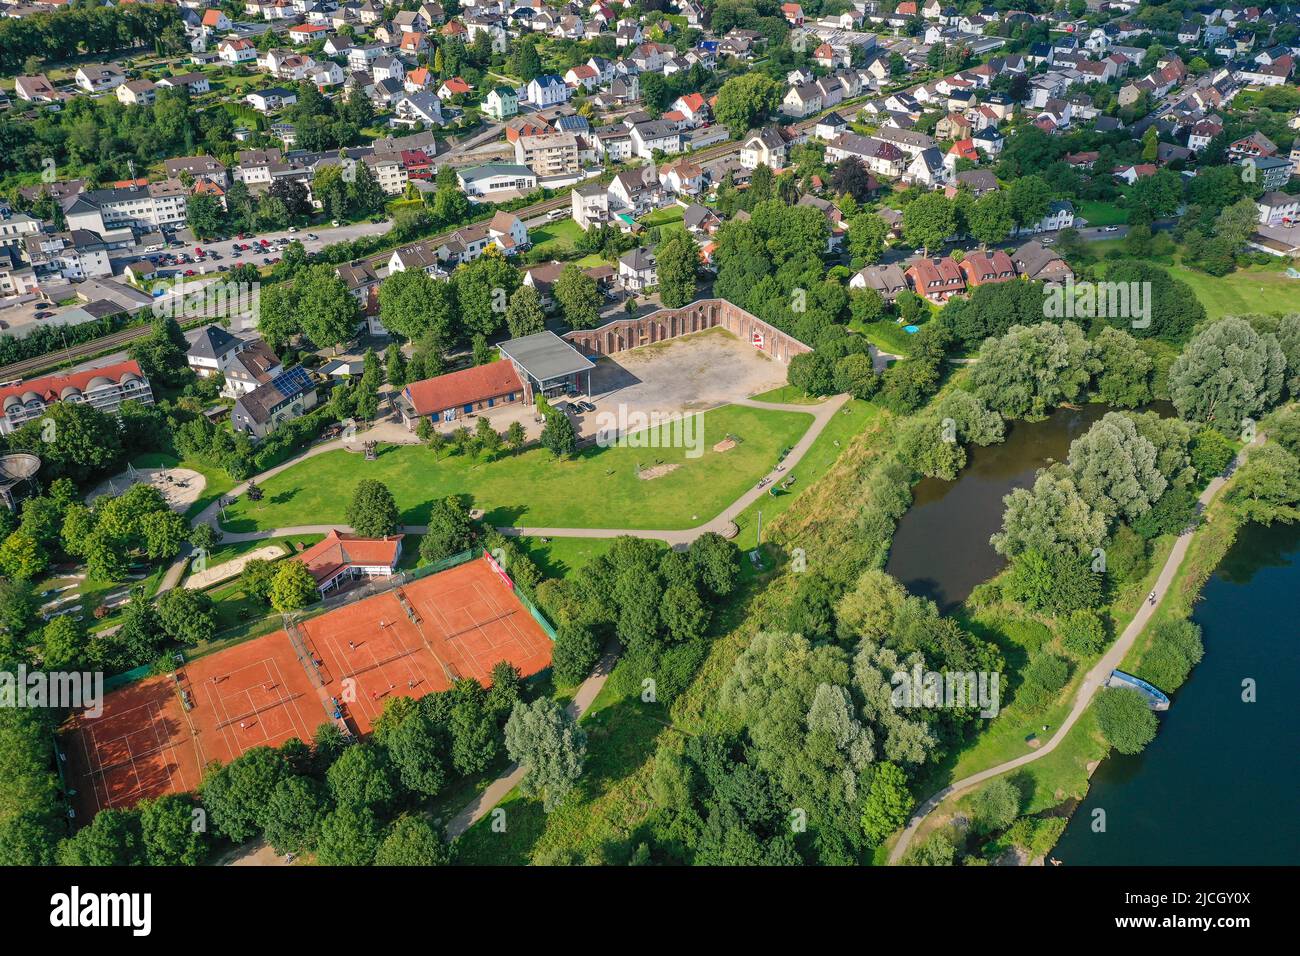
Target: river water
1218,785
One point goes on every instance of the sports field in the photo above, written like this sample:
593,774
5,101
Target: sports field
155,736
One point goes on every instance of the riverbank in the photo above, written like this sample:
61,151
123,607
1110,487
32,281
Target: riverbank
1215,762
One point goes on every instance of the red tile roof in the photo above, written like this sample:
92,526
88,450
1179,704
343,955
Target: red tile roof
49,387
339,550
465,387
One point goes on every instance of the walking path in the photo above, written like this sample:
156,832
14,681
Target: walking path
821,414
497,790
1092,682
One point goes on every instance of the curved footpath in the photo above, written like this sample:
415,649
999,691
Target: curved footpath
258,853
1092,682
821,413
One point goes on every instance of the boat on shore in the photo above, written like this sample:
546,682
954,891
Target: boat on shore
1156,698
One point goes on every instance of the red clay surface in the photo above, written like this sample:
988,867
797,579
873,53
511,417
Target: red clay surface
465,620
461,622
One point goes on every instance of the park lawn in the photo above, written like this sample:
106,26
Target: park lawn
849,421
598,488
1099,213
787,395
1253,289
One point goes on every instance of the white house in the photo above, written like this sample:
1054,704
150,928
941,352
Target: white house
547,90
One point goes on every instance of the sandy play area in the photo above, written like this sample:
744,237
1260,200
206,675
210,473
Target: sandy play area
180,486
230,569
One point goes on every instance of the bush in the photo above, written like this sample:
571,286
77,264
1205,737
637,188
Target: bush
1082,633
1044,677
1175,649
1126,721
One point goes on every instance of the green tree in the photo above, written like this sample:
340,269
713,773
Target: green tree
168,832
1125,720
548,743
1227,373
746,100
558,435
349,836
677,262
372,512
450,530
1115,468
294,813
524,315
412,841
928,221
187,616
292,587
579,297
887,803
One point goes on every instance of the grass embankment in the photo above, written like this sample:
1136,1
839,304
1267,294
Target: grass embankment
599,488
603,819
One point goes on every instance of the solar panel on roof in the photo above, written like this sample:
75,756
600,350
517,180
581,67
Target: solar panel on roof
292,381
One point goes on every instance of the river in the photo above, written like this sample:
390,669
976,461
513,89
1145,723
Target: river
1218,784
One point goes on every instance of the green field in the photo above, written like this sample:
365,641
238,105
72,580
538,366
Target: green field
554,237
1102,213
599,488
1254,289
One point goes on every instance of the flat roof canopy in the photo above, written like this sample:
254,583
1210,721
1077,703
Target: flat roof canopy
545,356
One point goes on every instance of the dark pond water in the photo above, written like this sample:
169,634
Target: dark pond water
941,549
1218,785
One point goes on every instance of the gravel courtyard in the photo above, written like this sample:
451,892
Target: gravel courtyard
687,374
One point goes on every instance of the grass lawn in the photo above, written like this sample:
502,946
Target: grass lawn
886,335
554,236
1253,289
850,420
560,557
662,217
1102,213
786,395
599,488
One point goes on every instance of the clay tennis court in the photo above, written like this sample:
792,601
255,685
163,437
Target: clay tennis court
422,637
409,641
146,743
140,746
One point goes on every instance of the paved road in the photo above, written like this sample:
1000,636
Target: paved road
1093,681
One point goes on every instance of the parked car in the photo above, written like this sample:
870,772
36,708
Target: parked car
1111,229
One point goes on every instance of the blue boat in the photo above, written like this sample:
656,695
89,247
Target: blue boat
1156,699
